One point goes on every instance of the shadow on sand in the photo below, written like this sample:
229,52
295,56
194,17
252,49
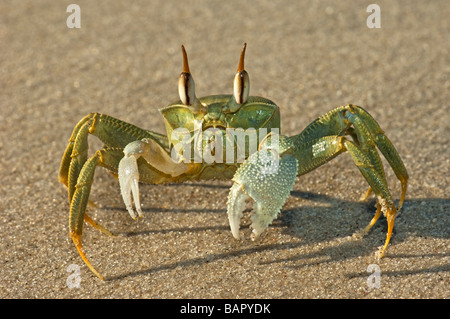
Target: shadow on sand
433,224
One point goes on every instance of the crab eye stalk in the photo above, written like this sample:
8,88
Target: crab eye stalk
241,81
186,85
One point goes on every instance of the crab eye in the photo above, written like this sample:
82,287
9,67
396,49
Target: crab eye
186,86
241,81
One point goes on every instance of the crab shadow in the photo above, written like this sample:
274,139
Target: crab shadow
290,222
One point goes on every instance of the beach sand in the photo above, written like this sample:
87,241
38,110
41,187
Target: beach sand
306,56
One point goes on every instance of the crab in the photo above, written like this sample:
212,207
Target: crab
198,133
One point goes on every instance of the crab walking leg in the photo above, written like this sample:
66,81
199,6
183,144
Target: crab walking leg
78,206
314,147
354,121
108,158
366,194
359,115
156,156
111,131
77,172
63,175
78,156
377,181
267,187
377,215
315,152
367,161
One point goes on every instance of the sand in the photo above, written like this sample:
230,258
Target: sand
308,57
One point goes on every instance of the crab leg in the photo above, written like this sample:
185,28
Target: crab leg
323,140
63,175
78,207
366,132
112,132
386,147
110,159
319,151
77,172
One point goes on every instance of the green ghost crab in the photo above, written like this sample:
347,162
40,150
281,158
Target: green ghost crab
202,144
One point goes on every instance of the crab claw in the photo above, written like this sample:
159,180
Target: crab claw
129,180
267,178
